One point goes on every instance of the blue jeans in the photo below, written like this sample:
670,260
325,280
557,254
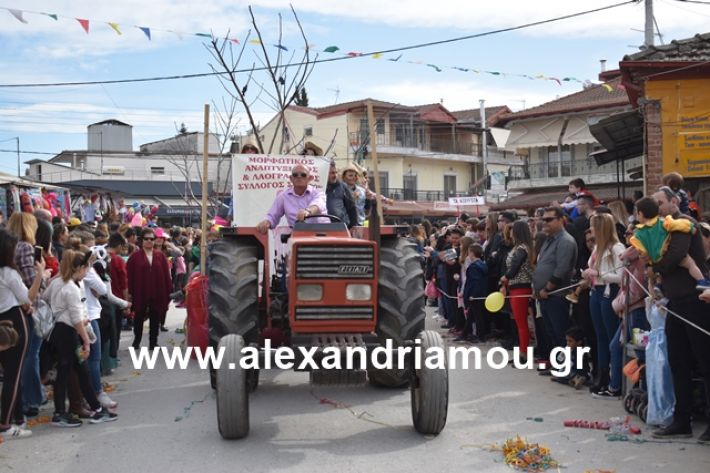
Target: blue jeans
555,315
95,359
605,322
32,391
636,319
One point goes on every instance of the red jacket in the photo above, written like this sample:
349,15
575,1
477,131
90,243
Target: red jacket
119,276
149,284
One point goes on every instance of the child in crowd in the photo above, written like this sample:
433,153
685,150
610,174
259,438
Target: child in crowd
476,287
675,181
653,233
578,377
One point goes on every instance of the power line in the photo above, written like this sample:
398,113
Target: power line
699,2
319,61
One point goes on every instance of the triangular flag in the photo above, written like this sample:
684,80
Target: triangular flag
146,31
17,14
434,67
234,40
84,24
462,69
608,87
281,47
178,33
204,35
51,15
354,54
114,27
556,80
475,70
254,41
377,56
331,49
395,59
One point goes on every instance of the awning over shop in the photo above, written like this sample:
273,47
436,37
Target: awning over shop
544,197
621,135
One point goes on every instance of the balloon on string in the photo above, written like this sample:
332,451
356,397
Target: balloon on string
495,301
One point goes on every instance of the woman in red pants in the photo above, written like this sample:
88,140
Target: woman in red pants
518,279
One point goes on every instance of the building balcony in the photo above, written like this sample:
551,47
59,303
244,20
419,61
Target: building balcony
439,147
395,193
559,174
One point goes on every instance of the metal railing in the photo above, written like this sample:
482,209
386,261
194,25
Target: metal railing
432,143
579,168
396,193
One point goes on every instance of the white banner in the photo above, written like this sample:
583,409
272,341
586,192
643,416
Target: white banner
473,200
258,178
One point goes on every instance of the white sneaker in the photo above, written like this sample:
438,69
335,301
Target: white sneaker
15,432
106,401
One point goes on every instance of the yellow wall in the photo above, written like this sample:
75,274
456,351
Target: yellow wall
685,115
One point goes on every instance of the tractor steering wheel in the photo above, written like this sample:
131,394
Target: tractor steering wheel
333,218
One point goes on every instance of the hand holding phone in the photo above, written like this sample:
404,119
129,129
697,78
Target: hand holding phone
38,253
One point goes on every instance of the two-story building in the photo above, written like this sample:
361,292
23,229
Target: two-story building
556,144
425,153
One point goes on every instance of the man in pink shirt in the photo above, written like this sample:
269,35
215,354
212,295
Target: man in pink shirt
297,202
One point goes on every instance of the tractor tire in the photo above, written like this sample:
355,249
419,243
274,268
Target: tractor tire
400,311
430,390
232,297
232,392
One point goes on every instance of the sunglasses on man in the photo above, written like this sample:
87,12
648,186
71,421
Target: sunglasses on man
549,219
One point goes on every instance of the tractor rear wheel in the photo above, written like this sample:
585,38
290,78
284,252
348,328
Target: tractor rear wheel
233,291
400,311
430,390
232,392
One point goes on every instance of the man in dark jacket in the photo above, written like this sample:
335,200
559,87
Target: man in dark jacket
685,342
339,200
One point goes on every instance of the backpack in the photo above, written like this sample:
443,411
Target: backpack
43,318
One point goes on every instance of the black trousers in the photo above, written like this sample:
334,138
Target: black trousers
155,317
477,314
12,361
686,343
65,341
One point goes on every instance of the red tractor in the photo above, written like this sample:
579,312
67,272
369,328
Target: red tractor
333,290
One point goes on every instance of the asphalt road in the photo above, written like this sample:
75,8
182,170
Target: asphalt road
168,423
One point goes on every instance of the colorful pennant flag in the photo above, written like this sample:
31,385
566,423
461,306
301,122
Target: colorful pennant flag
146,32
377,56
234,40
114,27
254,41
331,49
51,15
17,14
204,35
608,87
84,24
433,66
281,47
395,59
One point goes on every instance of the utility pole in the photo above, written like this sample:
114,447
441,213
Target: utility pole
17,138
649,27
205,185
484,146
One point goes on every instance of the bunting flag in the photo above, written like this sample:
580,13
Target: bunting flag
84,24
146,31
20,16
114,27
17,14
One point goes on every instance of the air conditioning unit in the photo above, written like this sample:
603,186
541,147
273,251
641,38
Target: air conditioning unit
114,170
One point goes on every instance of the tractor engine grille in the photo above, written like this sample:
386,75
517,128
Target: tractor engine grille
334,313
335,262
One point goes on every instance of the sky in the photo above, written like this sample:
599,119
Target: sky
44,50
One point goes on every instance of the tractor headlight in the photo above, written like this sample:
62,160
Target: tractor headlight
309,292
358,292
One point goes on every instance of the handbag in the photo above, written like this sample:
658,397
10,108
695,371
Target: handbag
43,318
430,290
